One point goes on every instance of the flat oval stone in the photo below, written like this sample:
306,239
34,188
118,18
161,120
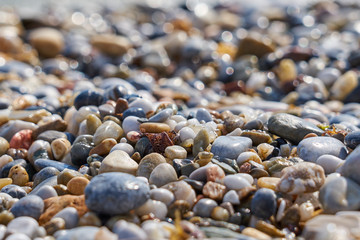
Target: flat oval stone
263,204
352,140
108,129
118,161
115,193
291,127
150,127
230,146
310,149
349,168
31,206
43,163
339,194
26,225
162,174
329,163
47,41
236,182
128,230
124,147
70,215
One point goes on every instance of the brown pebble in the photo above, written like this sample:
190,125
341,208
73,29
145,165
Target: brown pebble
121,105
154,127
213,190
19,175
57,125
20,153
66,175
76,185
6,217
220,214
104,147
61,189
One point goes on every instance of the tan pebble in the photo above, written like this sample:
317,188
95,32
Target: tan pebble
344,85
118,161
109,129
6,217
268,182
269,229
66,175
4,146
154,127
76,185
5,159
19,175
252,232
92,123
220,214
61,189
264,150
112,45
104,147
287,70
214,173
175,151
306,211
5,181
55,224
60,147
213,190
47,41
149,163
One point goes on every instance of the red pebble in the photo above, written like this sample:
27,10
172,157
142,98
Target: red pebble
21,139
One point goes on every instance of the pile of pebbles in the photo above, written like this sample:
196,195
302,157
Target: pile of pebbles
193,122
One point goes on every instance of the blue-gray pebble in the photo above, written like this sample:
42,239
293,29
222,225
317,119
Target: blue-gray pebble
352,140
350,168
31,206
230,146
203,115
45,173
310,149
263,204
43,163
115,193
70,216
14,190
46,192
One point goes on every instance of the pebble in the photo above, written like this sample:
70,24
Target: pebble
21,139
60,147
348,170
214,191
214,173
201,142
310,149
131,124
46,192
352,139
149,163
118,161
47,41
236,182
231,197
173,152
14,191
128,230
230,146
263,204
19,175
30,206
291,127
204,207
157,208
112,45
70,216
104,147
329,163
154,127
162,195
77,185
182,191
24,225
108,129
162,174
301,178
115,193
124,147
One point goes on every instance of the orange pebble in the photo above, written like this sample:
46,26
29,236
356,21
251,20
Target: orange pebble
21,139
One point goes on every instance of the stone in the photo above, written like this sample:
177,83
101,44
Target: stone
49,42
115,193
19,175
150,127
108,129
66,175
230,146
231,197
175,151
339,194
56,204
5,181
329,163
162,174
220,214
128,230
348,169
25,225
291,127
268,182
46,192
310,149
182,191
31,206
159,209
86,232
56,125
5,159
70,216
21,139
344,85
352,139
204,207
214,173
255,46
257,137
162,195
8,129
142,103
51,135
104,147
263,204
49,181
92,123
112,45
214,191
254,233
77,185
131,124
203,115
301,178
60,147
43,163
14,191
201,142
161,116
126,147
186,133
149,163
118,161
236,182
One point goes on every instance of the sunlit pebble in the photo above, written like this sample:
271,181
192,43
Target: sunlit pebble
201,9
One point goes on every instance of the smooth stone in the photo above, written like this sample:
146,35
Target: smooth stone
329,163
231,197
108,129
43,163
47,41
200,173
124,147
77,185
5,181
70,215
66,175
60,147
118,161
19,175
88,97
92,123
204,207
8,129
115,193
104,147
215,173
230,146
131,123
161,116
51,135
182,191
5,170
127,230
162,174
145,104
201,142
14,191
80,149
203,115
301,178
18,236
149,163
57,125
30,206
136,112
159,209
45,173
36,146
215,191
5,159
224,233
150,127
110,44
46,192
236,182
257,137
4,146
87,232
246,157
352,139
186,133
263,204
163,195
348,169
175,151
26,225
50,181
310,149
339,194
291,127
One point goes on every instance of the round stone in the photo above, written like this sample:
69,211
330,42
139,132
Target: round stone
230,146
157,208
163,195
46,192
204,207
149,163
19,175
115,193
162,174
349,168
77,185
31,206
263,204
329,163
118,161
47,41
108,129
70,216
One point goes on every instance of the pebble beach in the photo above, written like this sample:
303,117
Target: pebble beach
192,120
